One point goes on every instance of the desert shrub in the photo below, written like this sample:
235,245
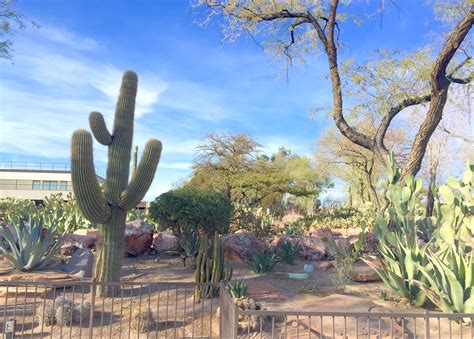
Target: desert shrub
56,210
192,210
253,220
340,217
292,230
344,257
142,320
262,262
289,252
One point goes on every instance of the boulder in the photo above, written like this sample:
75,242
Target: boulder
81,263
88,231
311,248
138,237
71,242
361,272
240,246
165,241
371,241
320,233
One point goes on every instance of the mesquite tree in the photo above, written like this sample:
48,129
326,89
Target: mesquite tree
292,28
108,206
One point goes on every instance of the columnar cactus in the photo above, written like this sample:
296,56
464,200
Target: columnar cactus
108,206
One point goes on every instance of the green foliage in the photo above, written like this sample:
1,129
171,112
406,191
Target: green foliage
450,281
253,220
262,262
238,289
28,247
341,217
192,211
292,230
56,210
288,253
344,257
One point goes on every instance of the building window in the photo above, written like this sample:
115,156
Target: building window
63,185
36,185
50,185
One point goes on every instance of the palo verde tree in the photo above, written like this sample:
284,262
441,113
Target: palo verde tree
108,207
301,27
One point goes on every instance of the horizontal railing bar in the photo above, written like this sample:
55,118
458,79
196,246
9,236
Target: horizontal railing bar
90,283
355,314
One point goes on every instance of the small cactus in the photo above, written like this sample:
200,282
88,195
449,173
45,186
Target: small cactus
63,310
81,312
142,320
45,314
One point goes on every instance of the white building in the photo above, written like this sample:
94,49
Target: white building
35,180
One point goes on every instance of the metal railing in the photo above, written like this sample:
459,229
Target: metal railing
42,166
72,309
238,323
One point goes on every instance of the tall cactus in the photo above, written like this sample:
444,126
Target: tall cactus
108,207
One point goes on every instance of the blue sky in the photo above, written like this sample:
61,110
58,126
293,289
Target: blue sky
190,82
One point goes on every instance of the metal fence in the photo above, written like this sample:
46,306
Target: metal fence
42,166
171,310
73,310
238,323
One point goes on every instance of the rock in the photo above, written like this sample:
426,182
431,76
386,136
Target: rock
165,241
71,242
240,246
320,233
325,264
138,237
361,272
88,231
312,248
81,263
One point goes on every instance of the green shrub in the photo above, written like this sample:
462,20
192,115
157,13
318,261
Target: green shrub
253,220
288,253
262,262
342,217
292,230
56,210
192,210
29,247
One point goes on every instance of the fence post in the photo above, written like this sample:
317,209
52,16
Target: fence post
91,314
427,325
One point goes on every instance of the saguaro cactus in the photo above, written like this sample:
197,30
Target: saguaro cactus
108,207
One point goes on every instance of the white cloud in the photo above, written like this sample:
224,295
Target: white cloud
67,38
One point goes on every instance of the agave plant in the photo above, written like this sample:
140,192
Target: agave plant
31,248
289,252
238,289
262,262
450,279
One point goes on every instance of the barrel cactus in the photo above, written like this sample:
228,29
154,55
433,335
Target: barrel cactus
108,206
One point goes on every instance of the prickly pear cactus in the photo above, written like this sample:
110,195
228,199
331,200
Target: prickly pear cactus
109,207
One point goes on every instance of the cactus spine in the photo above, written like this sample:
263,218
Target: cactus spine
109,207
210,270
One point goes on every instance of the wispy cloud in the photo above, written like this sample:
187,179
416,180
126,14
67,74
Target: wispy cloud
67,38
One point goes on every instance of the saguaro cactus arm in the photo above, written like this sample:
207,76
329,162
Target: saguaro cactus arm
143,177
99,129
86,187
